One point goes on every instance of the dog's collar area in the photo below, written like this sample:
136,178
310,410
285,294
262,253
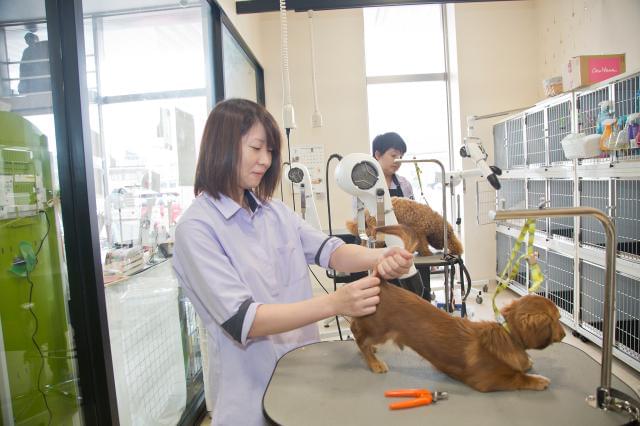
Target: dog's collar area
503,322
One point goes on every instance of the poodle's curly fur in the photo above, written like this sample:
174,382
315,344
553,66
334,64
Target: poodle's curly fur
426,223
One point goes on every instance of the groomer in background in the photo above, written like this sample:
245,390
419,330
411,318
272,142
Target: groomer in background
387,148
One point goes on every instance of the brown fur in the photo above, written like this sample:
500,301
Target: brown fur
426,223
482,355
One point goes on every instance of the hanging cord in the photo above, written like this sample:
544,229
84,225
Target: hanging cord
326,183
33,314
316,117
286,163
537,277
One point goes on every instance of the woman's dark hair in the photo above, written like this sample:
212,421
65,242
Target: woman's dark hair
386,141
220,149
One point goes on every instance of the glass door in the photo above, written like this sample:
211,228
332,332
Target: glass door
148,105
38,358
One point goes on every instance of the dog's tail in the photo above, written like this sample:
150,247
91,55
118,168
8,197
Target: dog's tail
406,234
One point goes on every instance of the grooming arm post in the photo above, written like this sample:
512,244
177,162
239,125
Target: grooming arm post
607,398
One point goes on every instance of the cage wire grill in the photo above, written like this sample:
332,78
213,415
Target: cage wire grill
559,126
511,196
627,314
502,252
627,101
541,256
627,218
561,195
515,143
504,245
593,193
500,145
537,195
588,106
534,127
486,201
560,282
591,297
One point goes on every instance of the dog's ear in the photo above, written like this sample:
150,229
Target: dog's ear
535,330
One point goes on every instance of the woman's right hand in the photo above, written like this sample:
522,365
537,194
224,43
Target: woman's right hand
358,298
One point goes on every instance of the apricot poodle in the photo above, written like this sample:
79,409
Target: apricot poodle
426,223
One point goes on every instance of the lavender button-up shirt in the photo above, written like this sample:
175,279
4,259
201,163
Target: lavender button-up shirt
229,261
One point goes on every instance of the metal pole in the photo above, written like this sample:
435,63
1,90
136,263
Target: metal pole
610,271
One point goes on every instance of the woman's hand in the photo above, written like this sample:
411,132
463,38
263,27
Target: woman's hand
358,298
394,262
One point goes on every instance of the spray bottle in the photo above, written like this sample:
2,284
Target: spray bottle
604,125
632,130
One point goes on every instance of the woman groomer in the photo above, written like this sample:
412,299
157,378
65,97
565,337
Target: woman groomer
242,258
387,148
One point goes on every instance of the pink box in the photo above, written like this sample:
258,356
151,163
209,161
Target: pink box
584,70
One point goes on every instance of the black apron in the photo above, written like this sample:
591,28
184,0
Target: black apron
397,191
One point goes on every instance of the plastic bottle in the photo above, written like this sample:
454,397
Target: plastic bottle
606,112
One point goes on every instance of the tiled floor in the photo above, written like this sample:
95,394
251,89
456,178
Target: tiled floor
484,311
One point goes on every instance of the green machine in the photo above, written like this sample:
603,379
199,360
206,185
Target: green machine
38,380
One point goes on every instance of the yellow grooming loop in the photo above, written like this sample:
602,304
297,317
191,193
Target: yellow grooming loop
418,173
536,273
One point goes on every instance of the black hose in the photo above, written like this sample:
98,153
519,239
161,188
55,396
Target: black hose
326,183
293,196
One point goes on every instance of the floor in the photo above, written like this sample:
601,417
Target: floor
484,312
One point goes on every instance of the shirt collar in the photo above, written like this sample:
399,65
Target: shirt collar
228,207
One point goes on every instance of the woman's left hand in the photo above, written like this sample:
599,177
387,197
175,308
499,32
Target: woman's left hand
394,262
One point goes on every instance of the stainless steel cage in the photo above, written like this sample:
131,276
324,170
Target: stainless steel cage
511,196
561,195
626,94
627,313
537,196
515,143
558,126
560,281
535,140
596,194
504,245
500,146
627,217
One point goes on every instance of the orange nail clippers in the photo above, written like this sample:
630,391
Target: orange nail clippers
421,397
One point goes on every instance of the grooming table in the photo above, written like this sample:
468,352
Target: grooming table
328,383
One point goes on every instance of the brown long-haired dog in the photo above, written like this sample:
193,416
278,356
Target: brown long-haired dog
482,355
426,223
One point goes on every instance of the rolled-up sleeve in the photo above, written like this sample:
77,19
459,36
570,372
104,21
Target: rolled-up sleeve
317,245
210,280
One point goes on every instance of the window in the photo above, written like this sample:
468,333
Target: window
238,69
408,94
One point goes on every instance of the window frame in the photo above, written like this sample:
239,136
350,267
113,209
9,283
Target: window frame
427,77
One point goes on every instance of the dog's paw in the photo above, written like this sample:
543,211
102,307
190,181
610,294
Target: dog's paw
379,367
529,364
537,382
